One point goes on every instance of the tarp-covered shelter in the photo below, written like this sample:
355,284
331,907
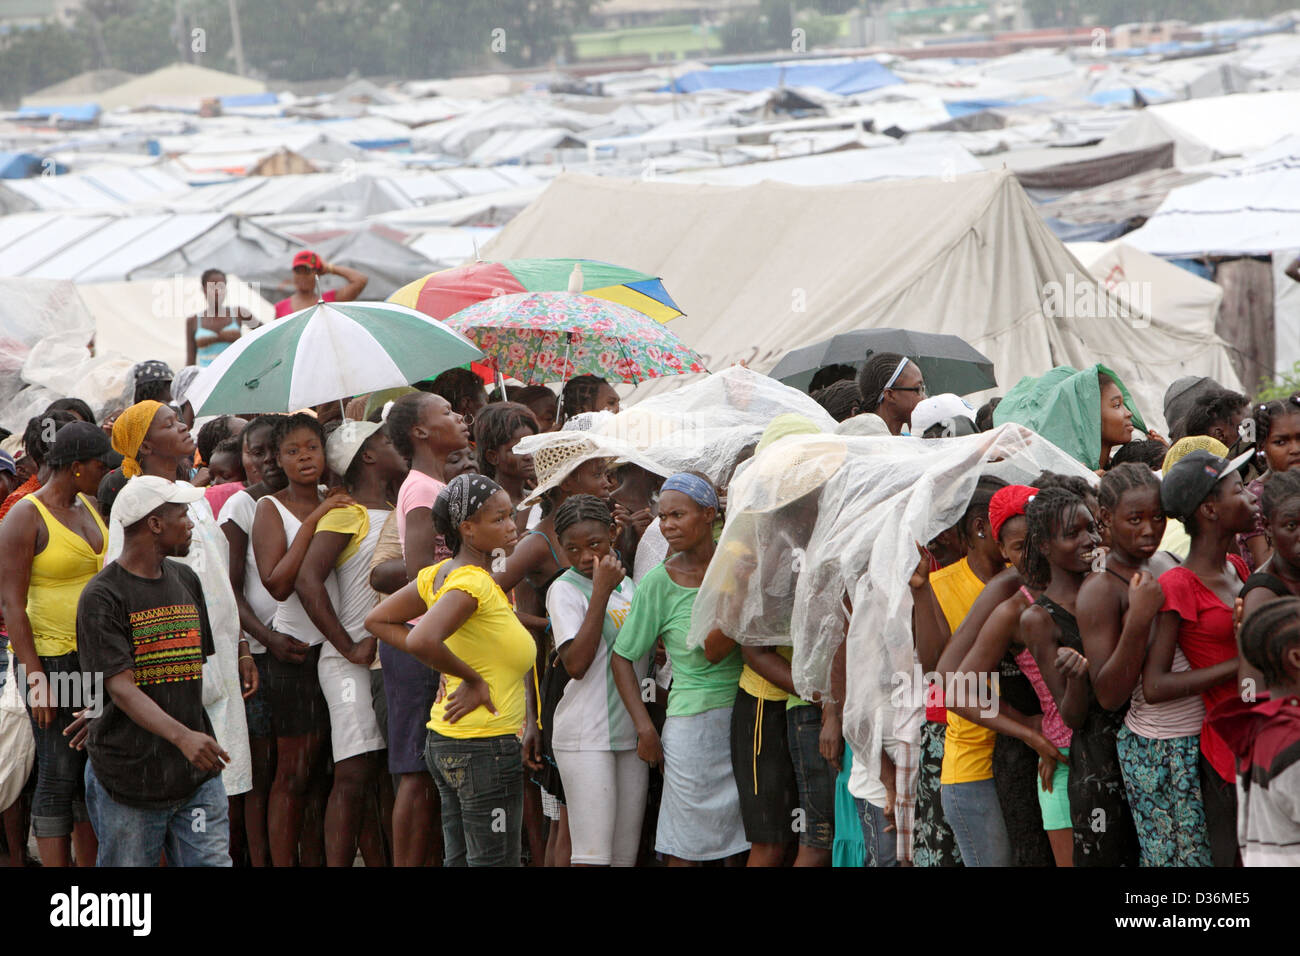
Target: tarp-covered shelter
761,269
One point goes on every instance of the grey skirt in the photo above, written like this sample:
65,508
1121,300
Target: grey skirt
699,817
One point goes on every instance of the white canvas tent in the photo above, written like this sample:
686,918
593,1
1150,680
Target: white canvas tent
145,319
762,269
1174,295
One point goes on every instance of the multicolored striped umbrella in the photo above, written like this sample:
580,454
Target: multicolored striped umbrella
552,336
328,351
441,294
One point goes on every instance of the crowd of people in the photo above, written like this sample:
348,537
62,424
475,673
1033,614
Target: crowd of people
448,627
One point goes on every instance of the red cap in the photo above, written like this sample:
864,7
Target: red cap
309,259
1006,503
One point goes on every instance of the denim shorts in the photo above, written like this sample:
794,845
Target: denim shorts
60,798
814,776
192,832
481,783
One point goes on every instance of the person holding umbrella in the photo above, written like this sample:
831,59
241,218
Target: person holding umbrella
891,386
307,268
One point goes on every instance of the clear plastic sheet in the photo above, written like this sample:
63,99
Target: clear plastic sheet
816,519
45,334
706,425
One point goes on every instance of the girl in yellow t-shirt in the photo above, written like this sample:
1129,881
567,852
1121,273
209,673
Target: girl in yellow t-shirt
472,636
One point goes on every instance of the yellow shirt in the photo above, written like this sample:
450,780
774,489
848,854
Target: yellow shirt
1176,540
494,643
59,574
968,747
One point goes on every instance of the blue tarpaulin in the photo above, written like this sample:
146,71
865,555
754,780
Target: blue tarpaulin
845,79
76,112
250,99
26,165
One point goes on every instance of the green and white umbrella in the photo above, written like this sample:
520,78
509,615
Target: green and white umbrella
327,352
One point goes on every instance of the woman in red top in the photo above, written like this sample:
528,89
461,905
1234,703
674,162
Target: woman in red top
306,267
1206,493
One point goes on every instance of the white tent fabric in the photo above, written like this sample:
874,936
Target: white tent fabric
1238,215
762,269
1233,125
1175,295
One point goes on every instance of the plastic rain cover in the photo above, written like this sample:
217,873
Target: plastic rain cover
818,519
706,425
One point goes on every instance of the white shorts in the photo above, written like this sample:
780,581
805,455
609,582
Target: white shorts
354,729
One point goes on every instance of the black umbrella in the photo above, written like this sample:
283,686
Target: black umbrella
948,363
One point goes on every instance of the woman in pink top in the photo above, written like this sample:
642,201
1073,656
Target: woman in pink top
307,267
424,430
1046,734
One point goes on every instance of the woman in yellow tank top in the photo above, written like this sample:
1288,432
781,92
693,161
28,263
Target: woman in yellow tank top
52,543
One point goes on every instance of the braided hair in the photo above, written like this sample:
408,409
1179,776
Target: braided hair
1271,631
402,417
841,399
1266,412
1071,483
1280,487
495,426
1044,518
1125,477
579,508
286,424
876,371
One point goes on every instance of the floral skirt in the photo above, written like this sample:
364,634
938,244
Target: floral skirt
933,843
1163,782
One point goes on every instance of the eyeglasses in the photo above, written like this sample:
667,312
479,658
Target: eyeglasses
919,389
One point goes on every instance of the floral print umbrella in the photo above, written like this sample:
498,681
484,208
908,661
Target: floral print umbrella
553,336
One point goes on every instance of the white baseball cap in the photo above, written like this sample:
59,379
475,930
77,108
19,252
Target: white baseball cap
344,443
939,408
144,494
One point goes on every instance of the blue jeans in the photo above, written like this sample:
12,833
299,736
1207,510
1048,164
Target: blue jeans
975,815
882,846
481,783
60,797
814,776
192,832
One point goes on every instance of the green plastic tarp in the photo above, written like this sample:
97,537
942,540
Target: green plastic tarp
1064,406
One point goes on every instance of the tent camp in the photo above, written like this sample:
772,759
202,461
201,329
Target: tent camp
761,269
181,85
1175,295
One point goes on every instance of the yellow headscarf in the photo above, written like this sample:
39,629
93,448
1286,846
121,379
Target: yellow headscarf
1185,446
128,434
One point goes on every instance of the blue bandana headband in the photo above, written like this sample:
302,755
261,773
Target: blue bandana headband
693,487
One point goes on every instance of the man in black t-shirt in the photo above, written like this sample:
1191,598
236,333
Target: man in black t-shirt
153,780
